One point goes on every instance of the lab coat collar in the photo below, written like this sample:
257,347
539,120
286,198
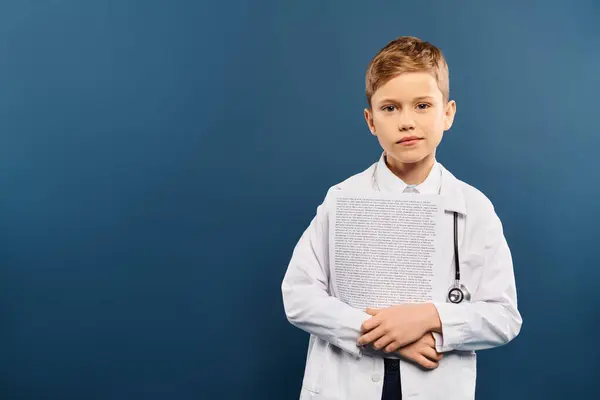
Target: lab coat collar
451,190
388,181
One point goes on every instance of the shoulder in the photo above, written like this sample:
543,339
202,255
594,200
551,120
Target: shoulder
475,198
359,181
476,201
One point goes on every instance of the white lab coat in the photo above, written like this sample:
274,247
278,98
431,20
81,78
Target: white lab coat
337,369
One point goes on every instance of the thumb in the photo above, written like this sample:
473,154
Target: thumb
373,311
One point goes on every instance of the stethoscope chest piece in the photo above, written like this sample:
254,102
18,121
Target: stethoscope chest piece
458,293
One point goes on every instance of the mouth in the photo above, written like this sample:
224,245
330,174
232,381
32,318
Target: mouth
409,140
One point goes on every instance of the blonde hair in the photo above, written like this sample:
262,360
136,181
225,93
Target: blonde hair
407,54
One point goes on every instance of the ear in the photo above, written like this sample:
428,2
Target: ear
369,119
449,114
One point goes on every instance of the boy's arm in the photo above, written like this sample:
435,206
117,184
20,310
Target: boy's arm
491,319
305,291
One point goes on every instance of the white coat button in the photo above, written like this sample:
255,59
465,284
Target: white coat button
376,377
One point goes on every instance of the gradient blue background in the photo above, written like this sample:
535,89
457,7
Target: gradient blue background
160,159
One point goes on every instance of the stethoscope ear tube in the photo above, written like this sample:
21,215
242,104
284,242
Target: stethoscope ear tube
458,292
456,260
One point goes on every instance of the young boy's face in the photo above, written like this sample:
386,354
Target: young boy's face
409,116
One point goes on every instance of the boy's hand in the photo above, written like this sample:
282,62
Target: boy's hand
423,352
397,326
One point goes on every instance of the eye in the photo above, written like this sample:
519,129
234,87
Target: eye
389,108
423,106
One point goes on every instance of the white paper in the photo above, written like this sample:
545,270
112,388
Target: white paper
383,247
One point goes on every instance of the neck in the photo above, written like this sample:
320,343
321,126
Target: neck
411,173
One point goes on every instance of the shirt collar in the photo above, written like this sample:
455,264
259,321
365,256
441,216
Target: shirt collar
388,181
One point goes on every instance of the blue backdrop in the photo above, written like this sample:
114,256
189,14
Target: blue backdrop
160,159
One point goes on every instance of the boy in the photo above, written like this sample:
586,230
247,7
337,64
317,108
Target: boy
424,350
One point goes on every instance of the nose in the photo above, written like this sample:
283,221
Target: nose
405,122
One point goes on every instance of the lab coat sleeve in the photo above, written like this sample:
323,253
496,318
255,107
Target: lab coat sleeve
491,319
305,290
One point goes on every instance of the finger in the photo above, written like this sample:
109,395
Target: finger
393,346
431,354
401,344
429,339
426,363
370,324
373,311
385,340
371,336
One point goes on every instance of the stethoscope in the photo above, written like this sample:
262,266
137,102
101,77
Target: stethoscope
457,292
